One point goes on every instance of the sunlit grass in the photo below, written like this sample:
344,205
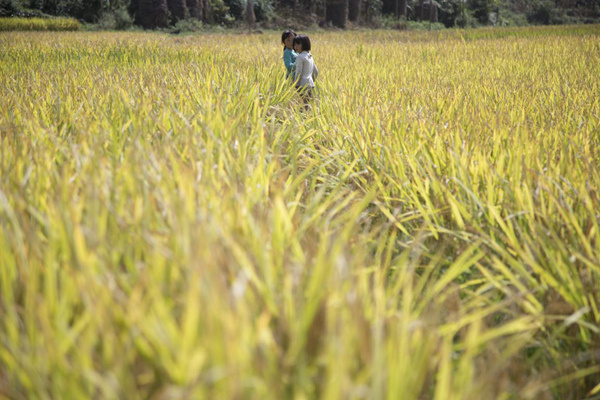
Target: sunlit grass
173,224
39,24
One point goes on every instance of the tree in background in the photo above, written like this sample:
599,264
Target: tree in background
371,10
544,12
336,12
178,10
9,8
250,17
151,13
482,9
401,9
354,10
162,13
195,8
428,10
50,7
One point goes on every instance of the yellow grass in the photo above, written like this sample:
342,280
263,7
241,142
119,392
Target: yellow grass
39,24
174,225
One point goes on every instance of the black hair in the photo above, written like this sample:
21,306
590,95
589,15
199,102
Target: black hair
285,35
304,41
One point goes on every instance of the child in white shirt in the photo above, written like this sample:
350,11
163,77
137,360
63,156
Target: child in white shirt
306,71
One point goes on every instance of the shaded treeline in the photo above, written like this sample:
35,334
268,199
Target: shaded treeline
462,13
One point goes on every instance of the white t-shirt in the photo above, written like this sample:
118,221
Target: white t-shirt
306,71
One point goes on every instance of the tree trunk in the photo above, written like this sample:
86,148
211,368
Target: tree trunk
422,14
353,10
206,11
195,8
403,9
336,12
433,12
178,9
152,13
250,18
133,8
319,7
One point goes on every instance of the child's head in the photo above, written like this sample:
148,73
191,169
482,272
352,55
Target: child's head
287,38
301,43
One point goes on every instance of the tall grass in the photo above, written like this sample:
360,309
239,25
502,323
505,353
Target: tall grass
173,224
39,24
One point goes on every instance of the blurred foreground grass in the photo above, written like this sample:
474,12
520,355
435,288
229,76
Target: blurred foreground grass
173,225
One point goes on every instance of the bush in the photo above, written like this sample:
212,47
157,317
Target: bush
118,19
220,13
123,19
424,26
39,24
236,8
449,11
481,10
87,10
8,8
107,21
466,20
509,18
544,12
372,10
389,22
263,9
187,25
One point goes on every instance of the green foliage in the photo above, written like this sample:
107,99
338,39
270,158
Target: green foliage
456,13
424,25
460,13
87,10
263,9
466,20
219,13
371,8
389,22
448,12
187,25
9,8
481,9
471,13
510,18
544,12
118,19
237,8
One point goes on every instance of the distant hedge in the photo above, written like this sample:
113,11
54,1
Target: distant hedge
39,24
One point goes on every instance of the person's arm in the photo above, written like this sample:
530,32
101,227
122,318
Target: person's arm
287,60
298,69
315,70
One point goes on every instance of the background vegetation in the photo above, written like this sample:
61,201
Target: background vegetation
302,14
174,225
39,24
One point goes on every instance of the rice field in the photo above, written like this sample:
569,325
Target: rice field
39,24
174,224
